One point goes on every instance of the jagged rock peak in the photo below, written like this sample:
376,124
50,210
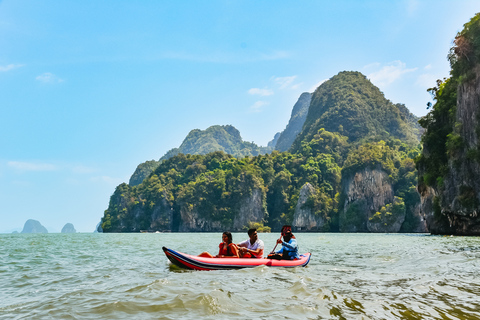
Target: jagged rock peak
295,124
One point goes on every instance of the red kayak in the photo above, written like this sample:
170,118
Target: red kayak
191,262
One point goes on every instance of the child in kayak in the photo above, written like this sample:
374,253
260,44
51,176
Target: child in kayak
227,249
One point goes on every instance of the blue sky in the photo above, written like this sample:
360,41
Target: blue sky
90,89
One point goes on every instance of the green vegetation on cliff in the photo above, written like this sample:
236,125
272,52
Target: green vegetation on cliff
350,105
441,140
215,138
350,125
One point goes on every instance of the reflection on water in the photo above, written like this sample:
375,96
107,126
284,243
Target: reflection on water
127,276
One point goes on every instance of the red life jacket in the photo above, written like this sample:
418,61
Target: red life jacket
225,251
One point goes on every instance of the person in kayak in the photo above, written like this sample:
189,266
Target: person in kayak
252,247
289,250
227,249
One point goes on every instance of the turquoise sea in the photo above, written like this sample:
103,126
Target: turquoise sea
127,276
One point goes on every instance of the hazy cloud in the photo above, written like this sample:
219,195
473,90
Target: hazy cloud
312,89
10,67
286,82
48,77
260,92
426,80
388,73
31,166
412,7
258,106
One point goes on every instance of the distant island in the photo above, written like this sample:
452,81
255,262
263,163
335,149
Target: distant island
33,226
68,228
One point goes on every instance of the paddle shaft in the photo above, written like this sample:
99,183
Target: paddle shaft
276,245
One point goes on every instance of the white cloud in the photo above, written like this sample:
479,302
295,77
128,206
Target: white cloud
257,106
31,166
260,92
388,73
10,67
312,89
48,77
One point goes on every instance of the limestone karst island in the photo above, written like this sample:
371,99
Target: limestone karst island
349,160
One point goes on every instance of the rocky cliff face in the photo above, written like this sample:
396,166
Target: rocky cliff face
162,216
304,218
295,124
365,193
459,200
250,209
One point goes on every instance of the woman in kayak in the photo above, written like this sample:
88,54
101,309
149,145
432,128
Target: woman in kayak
227,249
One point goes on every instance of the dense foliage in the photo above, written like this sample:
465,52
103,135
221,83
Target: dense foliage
143,170
215,184
350,126
352,106
442,140
396,159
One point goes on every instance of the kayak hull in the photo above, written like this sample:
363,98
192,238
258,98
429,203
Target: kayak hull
192,262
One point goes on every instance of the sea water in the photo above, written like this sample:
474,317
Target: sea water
127,276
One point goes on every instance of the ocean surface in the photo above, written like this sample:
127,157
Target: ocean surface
127,276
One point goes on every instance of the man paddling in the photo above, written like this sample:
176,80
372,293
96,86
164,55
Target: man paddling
289,250
252,247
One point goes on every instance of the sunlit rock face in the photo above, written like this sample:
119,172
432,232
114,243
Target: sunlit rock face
457,206
365,193
304,218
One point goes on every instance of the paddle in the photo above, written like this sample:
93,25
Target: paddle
284,230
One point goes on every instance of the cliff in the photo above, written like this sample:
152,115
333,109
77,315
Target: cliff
458,206
188,193
342,136
366,192
349,104
449,167
295,124
250,209
304,218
